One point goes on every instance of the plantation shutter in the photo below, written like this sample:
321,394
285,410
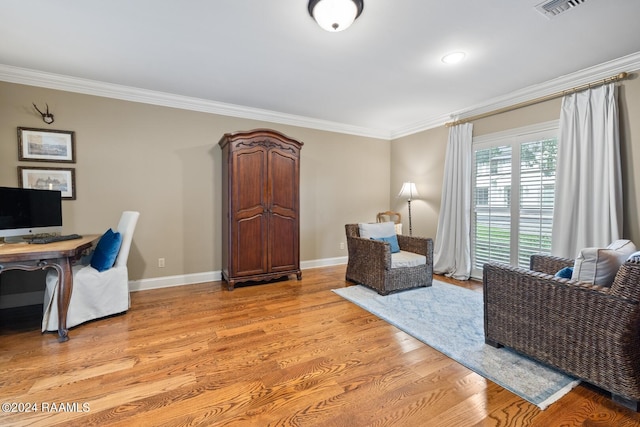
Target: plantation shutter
537,189
492,205
513,195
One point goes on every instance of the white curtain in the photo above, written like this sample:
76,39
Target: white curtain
588,201
452,251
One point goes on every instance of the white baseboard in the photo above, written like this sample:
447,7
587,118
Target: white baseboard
169,281
33,298
326,262
213,276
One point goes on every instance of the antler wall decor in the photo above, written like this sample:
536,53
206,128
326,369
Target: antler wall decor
46,117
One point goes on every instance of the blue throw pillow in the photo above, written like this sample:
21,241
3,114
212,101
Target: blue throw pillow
565,273
106,251
392,240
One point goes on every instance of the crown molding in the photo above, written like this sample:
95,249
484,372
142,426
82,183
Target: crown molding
430,123
30,77
627,63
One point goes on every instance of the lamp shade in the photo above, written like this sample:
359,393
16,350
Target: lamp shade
335,15
408,191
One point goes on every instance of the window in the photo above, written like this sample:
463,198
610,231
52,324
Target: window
513,188
482,196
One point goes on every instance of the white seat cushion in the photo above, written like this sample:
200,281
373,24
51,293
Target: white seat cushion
407,259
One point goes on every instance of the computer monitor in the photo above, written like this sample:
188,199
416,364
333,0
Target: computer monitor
28,212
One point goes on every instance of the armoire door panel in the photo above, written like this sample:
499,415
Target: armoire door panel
250,233
283,185
249,183
283,235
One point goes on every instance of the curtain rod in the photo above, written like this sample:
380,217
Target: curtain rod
612,79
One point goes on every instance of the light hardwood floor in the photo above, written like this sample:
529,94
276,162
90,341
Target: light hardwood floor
289,353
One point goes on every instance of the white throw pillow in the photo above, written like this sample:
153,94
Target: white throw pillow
376,229
600,265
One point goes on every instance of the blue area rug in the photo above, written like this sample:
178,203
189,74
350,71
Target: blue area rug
450,319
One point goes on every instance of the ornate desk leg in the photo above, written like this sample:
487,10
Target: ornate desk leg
65,287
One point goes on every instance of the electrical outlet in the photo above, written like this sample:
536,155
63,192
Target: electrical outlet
341,245
161,262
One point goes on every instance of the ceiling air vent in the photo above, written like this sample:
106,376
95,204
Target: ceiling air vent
556,7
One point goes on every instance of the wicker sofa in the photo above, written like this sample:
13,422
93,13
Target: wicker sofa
588,331
369,262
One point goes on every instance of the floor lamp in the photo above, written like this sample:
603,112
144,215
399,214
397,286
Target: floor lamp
408,191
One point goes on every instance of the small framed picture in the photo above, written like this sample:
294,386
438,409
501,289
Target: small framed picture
43,145
61,179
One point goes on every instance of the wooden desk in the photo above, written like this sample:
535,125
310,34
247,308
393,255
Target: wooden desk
58,256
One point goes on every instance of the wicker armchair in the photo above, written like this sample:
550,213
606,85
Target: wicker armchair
370,263
588,331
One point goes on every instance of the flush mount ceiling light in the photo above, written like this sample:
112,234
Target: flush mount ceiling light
335,15
453,57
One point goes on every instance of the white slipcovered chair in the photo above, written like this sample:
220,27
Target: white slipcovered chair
95,294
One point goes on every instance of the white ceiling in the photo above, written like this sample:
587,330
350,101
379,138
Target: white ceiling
382,76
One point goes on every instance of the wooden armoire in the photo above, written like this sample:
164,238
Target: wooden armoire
260,206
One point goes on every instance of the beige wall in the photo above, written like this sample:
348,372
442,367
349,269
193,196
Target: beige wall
165,163
420,157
